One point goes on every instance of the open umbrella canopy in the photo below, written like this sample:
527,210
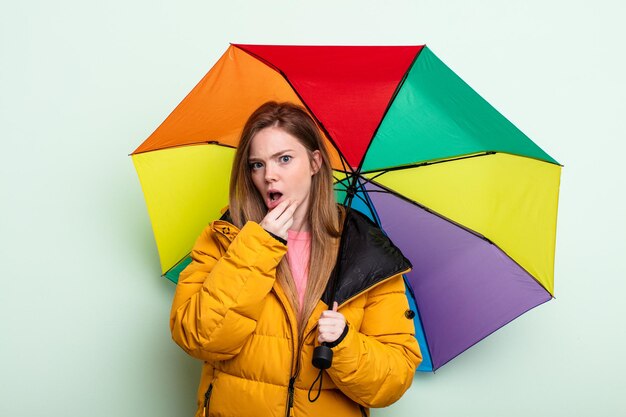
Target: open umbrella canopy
466,196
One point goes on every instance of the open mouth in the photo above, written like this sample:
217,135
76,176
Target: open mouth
275,196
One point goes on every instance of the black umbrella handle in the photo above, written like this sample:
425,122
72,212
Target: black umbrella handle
322,356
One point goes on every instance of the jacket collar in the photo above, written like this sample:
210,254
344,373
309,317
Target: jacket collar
366,258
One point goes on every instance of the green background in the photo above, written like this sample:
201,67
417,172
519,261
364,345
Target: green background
84,311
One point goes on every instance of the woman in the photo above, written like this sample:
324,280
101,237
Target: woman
256,299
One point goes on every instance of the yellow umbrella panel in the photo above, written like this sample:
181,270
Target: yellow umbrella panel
510,200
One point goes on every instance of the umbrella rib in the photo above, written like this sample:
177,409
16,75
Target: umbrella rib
204,142
348,200
370,205
391,100
319,123
427,163
368,192
361,198
343,162
467,229
423,207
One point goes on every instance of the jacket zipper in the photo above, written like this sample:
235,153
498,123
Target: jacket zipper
207,399
295,366
292,379
290,392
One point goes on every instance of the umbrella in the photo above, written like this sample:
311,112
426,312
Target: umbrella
465,195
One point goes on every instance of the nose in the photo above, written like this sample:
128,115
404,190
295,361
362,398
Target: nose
270,173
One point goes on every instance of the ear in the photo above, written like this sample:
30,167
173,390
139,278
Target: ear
316,162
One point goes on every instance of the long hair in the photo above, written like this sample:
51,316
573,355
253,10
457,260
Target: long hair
324,217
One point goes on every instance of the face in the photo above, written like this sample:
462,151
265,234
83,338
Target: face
282,168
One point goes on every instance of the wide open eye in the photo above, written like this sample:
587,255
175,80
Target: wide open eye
285,158
255,165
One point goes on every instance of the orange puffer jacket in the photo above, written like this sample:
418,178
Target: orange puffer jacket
230,312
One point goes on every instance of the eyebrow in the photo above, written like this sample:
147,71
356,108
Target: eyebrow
254,158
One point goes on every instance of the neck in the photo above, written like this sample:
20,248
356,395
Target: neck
300,225
301,218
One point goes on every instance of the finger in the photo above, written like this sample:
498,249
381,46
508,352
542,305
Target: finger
327,337
335,305
280,209
330,334
331,314
331,311
288,222
285,221
324,326
333,331
289,210
324,322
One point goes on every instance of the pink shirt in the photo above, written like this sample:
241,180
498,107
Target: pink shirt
298,254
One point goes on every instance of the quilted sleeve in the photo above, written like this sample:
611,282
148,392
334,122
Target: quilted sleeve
220,295
375,365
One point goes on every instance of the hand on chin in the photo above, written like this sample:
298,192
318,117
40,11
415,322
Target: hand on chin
279,219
